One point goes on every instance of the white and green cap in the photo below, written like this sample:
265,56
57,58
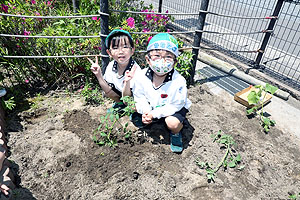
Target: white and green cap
163,41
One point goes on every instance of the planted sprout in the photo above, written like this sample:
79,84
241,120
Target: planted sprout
257,99
229,159
107,132
294,196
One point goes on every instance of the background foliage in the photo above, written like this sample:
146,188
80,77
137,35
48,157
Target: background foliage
49,73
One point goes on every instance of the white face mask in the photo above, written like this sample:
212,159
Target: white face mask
161,67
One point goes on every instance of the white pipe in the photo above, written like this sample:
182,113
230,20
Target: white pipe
230,69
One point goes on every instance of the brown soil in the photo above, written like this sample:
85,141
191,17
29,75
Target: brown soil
55,157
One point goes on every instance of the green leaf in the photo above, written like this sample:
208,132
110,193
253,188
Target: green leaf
253,97
232,164
273,122
111,118
270,88
251,110
103,134
238,158
94,138
266,121
266,127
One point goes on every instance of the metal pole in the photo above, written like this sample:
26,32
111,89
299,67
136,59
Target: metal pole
104,30
267,34
159,6
197,38
75,6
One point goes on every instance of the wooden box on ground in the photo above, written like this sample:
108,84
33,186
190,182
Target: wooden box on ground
241,96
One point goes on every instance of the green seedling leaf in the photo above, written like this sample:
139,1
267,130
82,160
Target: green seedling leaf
103,134
251,110
232,164
253,98
266,127
112,118
266,121
241,167
273,122
270,88
238,158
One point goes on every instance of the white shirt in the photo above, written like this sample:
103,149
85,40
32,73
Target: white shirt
164,100
116,81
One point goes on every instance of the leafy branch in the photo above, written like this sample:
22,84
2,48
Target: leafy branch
257,98
229,159
107,132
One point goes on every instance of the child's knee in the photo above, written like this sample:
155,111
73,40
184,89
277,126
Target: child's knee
173,123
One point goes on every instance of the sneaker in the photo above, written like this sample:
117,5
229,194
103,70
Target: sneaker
176,142
117,106
136,119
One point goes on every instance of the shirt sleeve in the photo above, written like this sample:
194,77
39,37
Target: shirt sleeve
177,100
141,103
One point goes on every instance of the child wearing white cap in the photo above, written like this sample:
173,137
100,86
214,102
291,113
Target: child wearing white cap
160,92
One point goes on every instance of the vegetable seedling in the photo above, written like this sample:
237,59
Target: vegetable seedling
257,98
229,159
107,132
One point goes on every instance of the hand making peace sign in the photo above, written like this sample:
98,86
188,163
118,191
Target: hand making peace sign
129,74
96,69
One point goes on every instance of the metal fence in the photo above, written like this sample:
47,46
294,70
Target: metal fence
276,52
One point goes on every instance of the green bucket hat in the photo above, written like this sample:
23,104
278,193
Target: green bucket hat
163,41
115,32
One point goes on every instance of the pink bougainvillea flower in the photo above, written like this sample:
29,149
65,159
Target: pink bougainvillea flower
48,3
33,1
4,8
130,22
148,17
146,30
95,18
26,32
37,13
168,30
144,23
26,81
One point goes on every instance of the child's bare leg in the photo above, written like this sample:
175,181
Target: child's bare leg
173,124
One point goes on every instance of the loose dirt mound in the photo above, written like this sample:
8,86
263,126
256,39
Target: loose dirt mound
56,158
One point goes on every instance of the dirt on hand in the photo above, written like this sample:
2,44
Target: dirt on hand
56,158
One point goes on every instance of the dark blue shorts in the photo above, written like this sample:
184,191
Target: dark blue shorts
136,118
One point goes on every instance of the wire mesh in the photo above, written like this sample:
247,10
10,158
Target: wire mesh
281,57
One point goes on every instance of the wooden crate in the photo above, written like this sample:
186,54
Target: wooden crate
241,96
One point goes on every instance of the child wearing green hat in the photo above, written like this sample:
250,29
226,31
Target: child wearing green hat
120,47
159,91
